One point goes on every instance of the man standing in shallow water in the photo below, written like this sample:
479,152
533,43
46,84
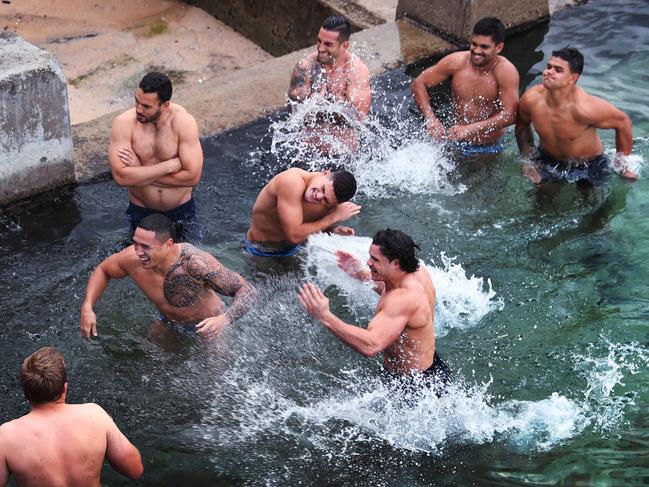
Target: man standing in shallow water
156,153
566,119
59,444
484,88
296,204
335,74
403,326
180,279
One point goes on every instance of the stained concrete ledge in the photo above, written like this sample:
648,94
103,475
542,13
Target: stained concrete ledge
35,142
455,19
283,26
255,92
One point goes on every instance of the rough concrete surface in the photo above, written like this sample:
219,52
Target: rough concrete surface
105,47
455,19
35,138
259,90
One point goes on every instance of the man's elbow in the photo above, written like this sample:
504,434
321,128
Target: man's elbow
295,238
417,86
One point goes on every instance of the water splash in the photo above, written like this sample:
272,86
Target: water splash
461,301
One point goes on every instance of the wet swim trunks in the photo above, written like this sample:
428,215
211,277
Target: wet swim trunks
267,250
466,149
435,377
186,226
180,328
596,171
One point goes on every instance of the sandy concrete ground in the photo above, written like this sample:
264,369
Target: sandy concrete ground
386,9
105,47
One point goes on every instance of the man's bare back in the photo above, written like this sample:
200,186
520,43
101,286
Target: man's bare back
60,445
295,204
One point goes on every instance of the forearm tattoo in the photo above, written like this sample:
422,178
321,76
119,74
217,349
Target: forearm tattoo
298,88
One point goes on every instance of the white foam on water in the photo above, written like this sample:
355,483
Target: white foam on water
389,160
461,301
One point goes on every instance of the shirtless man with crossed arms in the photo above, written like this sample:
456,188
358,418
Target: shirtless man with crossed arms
156,153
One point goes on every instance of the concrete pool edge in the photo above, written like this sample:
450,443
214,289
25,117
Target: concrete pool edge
239,98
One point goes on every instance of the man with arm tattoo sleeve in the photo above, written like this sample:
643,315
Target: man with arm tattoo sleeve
181,280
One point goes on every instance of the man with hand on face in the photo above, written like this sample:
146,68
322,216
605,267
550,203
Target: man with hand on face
484,89
403,326
334,74
296,204
180,279
58,444
156,153
566,119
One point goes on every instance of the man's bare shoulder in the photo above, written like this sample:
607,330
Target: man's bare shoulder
181,119
505,68
358,66
125,119
455,61
533,95
290,177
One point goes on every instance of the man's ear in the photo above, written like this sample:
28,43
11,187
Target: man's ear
500,47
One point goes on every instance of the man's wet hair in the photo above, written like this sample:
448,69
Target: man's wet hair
340,24
159,224
344,185
490,26
572,56
159,83
43,375
395,244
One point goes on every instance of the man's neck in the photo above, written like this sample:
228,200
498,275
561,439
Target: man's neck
48,406
561,96
170,259
485,68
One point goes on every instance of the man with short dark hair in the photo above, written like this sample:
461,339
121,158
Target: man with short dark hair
59,444
484,88
155,152
334,74
403,326
180,279
296,204
566,118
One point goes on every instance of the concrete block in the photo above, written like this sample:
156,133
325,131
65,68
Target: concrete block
455,19
283,26
35,135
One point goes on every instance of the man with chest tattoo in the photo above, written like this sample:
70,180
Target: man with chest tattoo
156,153
335,74
180,279
296,204
566,119
484,89
403,327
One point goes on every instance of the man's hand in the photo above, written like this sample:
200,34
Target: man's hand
316,303
435,129
628,174
128,157
461,132
342,230
531,173
344,211
351,265
88,322
212,327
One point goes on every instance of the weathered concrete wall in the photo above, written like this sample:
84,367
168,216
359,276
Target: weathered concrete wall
35,136
455,18
251,93
283,26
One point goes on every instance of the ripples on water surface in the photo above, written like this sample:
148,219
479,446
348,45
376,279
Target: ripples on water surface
541,309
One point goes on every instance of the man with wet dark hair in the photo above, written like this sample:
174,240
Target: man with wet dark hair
296,204
566,119
484,88
332,74
181,280
403,326
155,152
45,446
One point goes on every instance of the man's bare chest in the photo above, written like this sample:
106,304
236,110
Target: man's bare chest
471,87
153,146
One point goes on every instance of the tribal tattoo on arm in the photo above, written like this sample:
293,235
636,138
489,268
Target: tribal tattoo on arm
299,87
204,267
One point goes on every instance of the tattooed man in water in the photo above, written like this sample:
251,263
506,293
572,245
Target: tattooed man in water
180,279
